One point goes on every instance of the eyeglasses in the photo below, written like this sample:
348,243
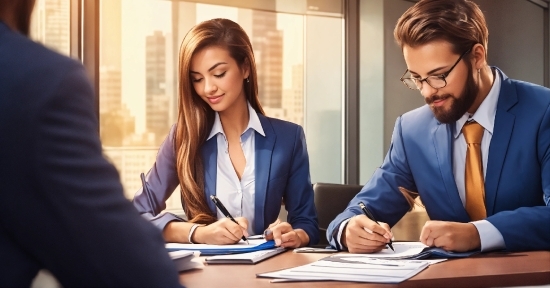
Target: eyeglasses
435,81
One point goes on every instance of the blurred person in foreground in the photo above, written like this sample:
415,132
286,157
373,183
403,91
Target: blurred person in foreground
61,203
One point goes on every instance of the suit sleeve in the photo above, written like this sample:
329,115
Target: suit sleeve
299,191
527,228
161,181
381,194
79,225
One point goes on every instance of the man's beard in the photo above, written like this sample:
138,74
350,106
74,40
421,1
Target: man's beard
459,105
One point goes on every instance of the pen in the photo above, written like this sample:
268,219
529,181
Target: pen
220,206
371,217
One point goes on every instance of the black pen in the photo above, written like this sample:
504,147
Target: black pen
371,217
220,206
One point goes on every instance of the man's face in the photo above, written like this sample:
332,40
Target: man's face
436,58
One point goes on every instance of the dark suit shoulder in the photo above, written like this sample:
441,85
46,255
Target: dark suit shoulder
23,59
534,94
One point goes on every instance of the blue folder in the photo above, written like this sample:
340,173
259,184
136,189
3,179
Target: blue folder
229,250
434,252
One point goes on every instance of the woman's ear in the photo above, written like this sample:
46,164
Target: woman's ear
246,68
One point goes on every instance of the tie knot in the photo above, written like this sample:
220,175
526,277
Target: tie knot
473,132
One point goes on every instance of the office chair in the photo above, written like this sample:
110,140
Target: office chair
331,200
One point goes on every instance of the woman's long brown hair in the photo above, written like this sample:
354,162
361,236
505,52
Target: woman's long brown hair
195,117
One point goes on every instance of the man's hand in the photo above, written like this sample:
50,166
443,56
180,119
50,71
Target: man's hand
451,236
363,235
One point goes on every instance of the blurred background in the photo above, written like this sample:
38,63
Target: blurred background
331,66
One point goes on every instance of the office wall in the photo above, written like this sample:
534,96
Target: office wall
516,45
516,38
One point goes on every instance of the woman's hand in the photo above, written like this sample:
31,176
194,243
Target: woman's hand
223,231
285,236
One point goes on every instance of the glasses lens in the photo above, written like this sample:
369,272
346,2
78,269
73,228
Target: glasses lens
410,83
436,82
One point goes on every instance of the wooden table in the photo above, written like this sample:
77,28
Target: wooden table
485,270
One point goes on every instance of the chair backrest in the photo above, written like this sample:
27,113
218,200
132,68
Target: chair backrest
331,200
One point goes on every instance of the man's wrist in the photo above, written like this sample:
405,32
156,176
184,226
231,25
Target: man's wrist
343,237
475,239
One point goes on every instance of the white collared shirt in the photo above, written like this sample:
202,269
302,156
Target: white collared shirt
485,116
238,196
490,237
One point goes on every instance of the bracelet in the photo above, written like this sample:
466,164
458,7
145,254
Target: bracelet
191,231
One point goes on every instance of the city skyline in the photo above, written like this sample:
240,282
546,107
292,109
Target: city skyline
138,72
138,69
158,109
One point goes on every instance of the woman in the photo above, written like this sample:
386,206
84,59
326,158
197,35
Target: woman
223,145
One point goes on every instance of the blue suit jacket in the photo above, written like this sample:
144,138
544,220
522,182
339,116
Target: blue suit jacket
517,176
282,172
61,203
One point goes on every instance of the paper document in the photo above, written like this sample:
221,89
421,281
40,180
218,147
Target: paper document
186,260
245,258
314,250
368,270
207,249
413,250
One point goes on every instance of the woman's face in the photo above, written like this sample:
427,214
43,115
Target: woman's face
217,78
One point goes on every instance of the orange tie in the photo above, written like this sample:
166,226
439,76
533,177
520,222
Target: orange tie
475,187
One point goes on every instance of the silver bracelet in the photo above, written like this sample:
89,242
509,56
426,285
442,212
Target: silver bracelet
191,231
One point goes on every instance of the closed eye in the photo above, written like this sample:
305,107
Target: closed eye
197,80
220,75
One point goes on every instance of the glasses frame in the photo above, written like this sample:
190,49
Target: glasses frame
442,76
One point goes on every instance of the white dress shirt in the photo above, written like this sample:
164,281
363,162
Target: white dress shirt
238,196
491,238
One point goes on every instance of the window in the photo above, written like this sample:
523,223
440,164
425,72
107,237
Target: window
50,24
139,46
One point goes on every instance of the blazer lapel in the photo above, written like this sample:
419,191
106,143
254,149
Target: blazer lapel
504,125
443,143
210,163
264,150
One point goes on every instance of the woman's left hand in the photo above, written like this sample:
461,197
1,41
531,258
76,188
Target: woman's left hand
285,236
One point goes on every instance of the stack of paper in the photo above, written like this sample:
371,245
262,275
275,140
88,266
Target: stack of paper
414,250
244,258
360,269
386,266
186,260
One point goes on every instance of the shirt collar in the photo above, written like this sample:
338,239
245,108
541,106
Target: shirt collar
485,114
253,123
